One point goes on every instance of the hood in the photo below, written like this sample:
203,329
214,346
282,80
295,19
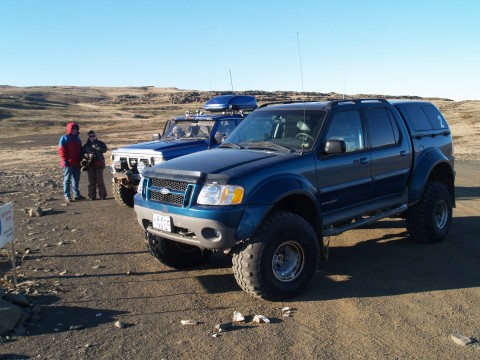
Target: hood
164,147
70,125
217,163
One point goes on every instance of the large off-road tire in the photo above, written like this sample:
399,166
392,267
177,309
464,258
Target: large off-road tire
123,195
279,260
175,254
429,220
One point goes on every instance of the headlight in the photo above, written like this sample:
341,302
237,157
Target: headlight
220,195
140,185
158,160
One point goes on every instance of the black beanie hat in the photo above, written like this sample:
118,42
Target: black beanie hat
91,132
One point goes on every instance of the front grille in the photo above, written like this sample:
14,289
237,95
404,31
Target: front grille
132,162
170,184
175,199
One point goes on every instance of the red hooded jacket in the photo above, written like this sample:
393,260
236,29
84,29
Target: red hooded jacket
70,147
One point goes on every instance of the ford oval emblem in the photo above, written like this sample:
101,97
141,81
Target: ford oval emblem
164,191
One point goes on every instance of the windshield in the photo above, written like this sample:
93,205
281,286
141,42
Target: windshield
198,130
275,129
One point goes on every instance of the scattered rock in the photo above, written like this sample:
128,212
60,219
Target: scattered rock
76,327
461,340
260,318
189,322
17,299
238,317
223,326
121,324
9,315
287,311
20,330
35,212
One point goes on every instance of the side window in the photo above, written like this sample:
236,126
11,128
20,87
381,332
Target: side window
225,127
418,118
381,129
434,116
347,126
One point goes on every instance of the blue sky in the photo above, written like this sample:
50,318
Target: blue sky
423,48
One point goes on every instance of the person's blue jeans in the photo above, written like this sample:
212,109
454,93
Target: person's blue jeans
71,173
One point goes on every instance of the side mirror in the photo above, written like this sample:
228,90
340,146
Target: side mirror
219,138
334,146
156,137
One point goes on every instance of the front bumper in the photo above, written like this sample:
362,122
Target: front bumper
126,177
215,231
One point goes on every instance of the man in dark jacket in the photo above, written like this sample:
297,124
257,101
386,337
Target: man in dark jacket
93,161
69,149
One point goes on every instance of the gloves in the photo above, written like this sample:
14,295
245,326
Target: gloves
65,162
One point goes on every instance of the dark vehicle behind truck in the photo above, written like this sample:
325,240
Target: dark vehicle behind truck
183,135
292,174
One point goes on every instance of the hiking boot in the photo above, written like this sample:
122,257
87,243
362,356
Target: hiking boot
103,197
67,199
79,197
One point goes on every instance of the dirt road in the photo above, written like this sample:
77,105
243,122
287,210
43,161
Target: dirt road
378,296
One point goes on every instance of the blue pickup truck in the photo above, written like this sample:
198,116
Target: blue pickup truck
292,174
183,135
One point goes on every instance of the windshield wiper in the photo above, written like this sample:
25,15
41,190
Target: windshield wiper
269,145
231,145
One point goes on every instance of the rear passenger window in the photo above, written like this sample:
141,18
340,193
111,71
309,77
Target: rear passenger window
381,129
436,119
418,118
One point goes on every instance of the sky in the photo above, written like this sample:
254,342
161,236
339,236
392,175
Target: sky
411,47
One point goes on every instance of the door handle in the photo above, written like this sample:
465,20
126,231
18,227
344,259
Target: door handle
363,160
403,153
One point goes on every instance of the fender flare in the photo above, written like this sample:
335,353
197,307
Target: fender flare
428,160
264,198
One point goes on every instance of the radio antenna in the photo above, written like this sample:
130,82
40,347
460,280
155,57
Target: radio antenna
300,58
303,91
227,60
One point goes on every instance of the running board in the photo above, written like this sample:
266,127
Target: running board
331,231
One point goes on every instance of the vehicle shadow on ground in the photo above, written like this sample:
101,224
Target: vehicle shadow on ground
394,265
218,283
58,319
467,193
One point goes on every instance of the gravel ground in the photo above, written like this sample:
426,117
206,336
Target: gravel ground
85,266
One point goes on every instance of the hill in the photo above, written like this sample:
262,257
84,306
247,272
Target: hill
139,111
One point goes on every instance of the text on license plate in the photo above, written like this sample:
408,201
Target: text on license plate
162,222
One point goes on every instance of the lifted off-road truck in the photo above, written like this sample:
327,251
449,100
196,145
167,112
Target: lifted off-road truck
291,174
183,135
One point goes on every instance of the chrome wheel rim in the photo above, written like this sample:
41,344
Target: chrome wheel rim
441,214
288,261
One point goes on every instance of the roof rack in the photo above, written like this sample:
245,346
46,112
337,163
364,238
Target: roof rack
281,103
355,101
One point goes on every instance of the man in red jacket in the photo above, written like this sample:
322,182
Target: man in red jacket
69,149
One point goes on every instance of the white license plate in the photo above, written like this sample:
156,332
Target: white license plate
162,222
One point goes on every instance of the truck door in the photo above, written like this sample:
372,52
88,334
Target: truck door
343,179
390,151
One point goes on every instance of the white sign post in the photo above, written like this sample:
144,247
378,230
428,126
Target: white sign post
7,234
